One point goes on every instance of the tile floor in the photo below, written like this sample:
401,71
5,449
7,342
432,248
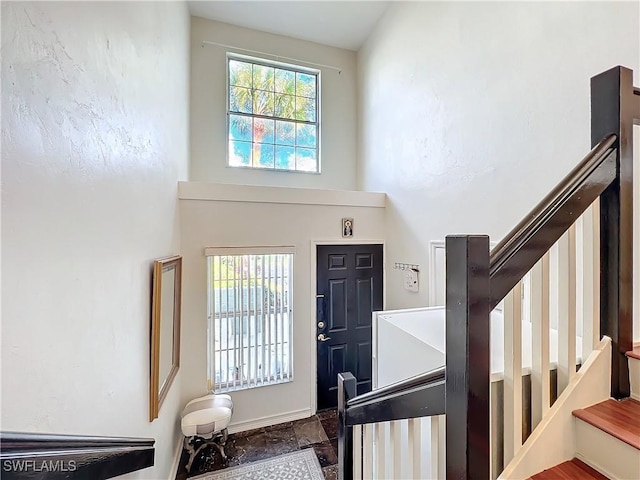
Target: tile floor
319,432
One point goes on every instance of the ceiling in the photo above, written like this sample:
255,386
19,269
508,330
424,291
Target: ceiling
343,24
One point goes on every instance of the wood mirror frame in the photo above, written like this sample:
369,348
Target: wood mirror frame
165,329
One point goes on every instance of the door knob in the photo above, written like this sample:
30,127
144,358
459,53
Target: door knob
322,338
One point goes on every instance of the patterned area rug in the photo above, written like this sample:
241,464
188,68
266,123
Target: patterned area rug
301,465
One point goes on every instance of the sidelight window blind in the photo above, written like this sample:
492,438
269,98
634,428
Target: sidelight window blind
250,317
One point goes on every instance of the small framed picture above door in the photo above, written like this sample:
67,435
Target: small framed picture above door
347,227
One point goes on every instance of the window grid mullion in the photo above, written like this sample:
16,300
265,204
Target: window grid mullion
269,117
295,128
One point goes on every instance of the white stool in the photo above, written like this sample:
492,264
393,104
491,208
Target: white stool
204,423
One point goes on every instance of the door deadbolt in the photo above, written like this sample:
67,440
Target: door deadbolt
320,324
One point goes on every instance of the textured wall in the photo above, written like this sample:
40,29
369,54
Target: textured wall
94,140
470,113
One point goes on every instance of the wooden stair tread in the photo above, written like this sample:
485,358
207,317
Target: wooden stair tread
570,470
635,353
621,419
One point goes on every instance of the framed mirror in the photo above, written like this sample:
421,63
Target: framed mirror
165,329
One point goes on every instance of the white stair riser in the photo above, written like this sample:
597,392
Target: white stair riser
610,456
634,374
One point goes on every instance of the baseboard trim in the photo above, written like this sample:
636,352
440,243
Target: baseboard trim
594,465
236,427
176,458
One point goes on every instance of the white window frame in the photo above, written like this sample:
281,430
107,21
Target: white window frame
268,330
286,66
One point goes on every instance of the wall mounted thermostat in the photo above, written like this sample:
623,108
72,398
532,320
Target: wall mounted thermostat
411,280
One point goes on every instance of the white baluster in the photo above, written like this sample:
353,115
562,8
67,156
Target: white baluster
367,451
581,268
357,452
435,446
566,314
381,450
414,430
588,280
540,381
442,441
395,445
512,373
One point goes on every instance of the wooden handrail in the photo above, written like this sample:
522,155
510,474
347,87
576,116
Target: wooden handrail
432,376
419,396
44,455
521,248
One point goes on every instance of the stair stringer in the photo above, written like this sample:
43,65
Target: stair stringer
553,441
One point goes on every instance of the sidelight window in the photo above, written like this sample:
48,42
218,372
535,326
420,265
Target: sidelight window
250,317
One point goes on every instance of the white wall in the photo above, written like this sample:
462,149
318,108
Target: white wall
288,217
208,107
94,139
469,113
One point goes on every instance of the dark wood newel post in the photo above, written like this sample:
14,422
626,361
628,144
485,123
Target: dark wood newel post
346,390
613,108
467,357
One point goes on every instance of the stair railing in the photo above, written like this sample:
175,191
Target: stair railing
549,247
374,414
42,455
477,280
